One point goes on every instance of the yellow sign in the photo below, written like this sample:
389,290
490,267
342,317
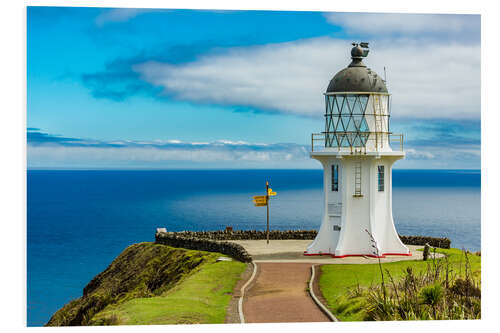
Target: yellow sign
260,204
263,202
260,200
270,192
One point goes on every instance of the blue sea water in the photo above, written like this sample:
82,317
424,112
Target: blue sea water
79,221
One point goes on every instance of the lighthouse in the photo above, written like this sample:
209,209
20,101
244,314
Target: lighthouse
357,151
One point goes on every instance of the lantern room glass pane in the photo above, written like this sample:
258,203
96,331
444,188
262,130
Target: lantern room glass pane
345,119
364,138
363,101
357,141
363,127
344,142
333,106
351,100
339,104
358,121
351,127
357,108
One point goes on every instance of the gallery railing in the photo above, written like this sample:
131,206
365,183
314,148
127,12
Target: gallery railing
396,141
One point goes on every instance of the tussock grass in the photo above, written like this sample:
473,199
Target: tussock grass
445,288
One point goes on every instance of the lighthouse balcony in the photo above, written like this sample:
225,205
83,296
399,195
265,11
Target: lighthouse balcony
350,143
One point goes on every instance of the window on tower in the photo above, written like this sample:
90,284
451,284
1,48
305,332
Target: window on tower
380,178
335,178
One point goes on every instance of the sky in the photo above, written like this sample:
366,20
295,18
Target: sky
158,89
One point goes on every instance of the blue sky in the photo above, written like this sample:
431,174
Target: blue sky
136,88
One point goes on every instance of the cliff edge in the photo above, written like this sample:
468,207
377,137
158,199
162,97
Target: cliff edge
144,273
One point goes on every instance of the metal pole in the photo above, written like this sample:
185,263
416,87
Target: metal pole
267,208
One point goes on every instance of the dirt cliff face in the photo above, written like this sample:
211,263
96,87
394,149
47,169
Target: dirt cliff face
141,270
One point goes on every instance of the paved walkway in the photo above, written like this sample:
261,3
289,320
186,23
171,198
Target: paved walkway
279,294
292,251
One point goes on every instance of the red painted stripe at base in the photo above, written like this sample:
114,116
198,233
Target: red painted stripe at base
358,255
397,254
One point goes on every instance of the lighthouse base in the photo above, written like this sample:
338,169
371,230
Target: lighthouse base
357,219
358,255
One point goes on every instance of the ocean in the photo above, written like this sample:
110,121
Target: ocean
79,221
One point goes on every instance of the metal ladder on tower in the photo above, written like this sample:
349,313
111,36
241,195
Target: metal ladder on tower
377,107
357,179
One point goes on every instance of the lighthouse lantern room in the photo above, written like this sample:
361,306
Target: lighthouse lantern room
357,151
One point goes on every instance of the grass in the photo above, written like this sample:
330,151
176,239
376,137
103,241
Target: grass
151,283
201,298
342,285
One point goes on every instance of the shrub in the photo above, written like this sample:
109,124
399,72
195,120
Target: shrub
465,287
432,295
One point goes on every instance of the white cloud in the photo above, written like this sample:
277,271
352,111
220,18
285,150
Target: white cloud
430,80
218,155
429,157
386,23
83,153
414,154
118,15
233,154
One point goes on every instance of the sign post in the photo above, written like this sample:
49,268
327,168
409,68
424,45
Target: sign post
263,200
267,208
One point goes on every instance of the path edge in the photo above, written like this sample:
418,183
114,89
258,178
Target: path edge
316,300
242,293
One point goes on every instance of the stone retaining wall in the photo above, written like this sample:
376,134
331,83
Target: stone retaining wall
234,250
298,234
443,243
249,234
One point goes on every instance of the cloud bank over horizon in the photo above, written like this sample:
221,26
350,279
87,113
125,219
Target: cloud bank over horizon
45,150
54,151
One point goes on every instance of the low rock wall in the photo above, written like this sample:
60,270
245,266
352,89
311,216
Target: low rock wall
234,250
249,234
298,234
443,243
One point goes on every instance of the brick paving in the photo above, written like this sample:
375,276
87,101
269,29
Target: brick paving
279,294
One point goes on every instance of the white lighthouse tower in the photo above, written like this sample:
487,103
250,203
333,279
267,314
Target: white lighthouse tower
357,151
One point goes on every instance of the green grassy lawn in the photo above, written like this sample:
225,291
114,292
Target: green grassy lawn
200,298
336,280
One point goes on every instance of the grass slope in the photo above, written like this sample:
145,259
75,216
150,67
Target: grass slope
141,273
336,281
201,298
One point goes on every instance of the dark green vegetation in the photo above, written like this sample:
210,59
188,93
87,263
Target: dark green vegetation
155,284
445,288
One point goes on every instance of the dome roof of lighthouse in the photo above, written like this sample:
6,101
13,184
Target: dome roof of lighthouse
357,77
